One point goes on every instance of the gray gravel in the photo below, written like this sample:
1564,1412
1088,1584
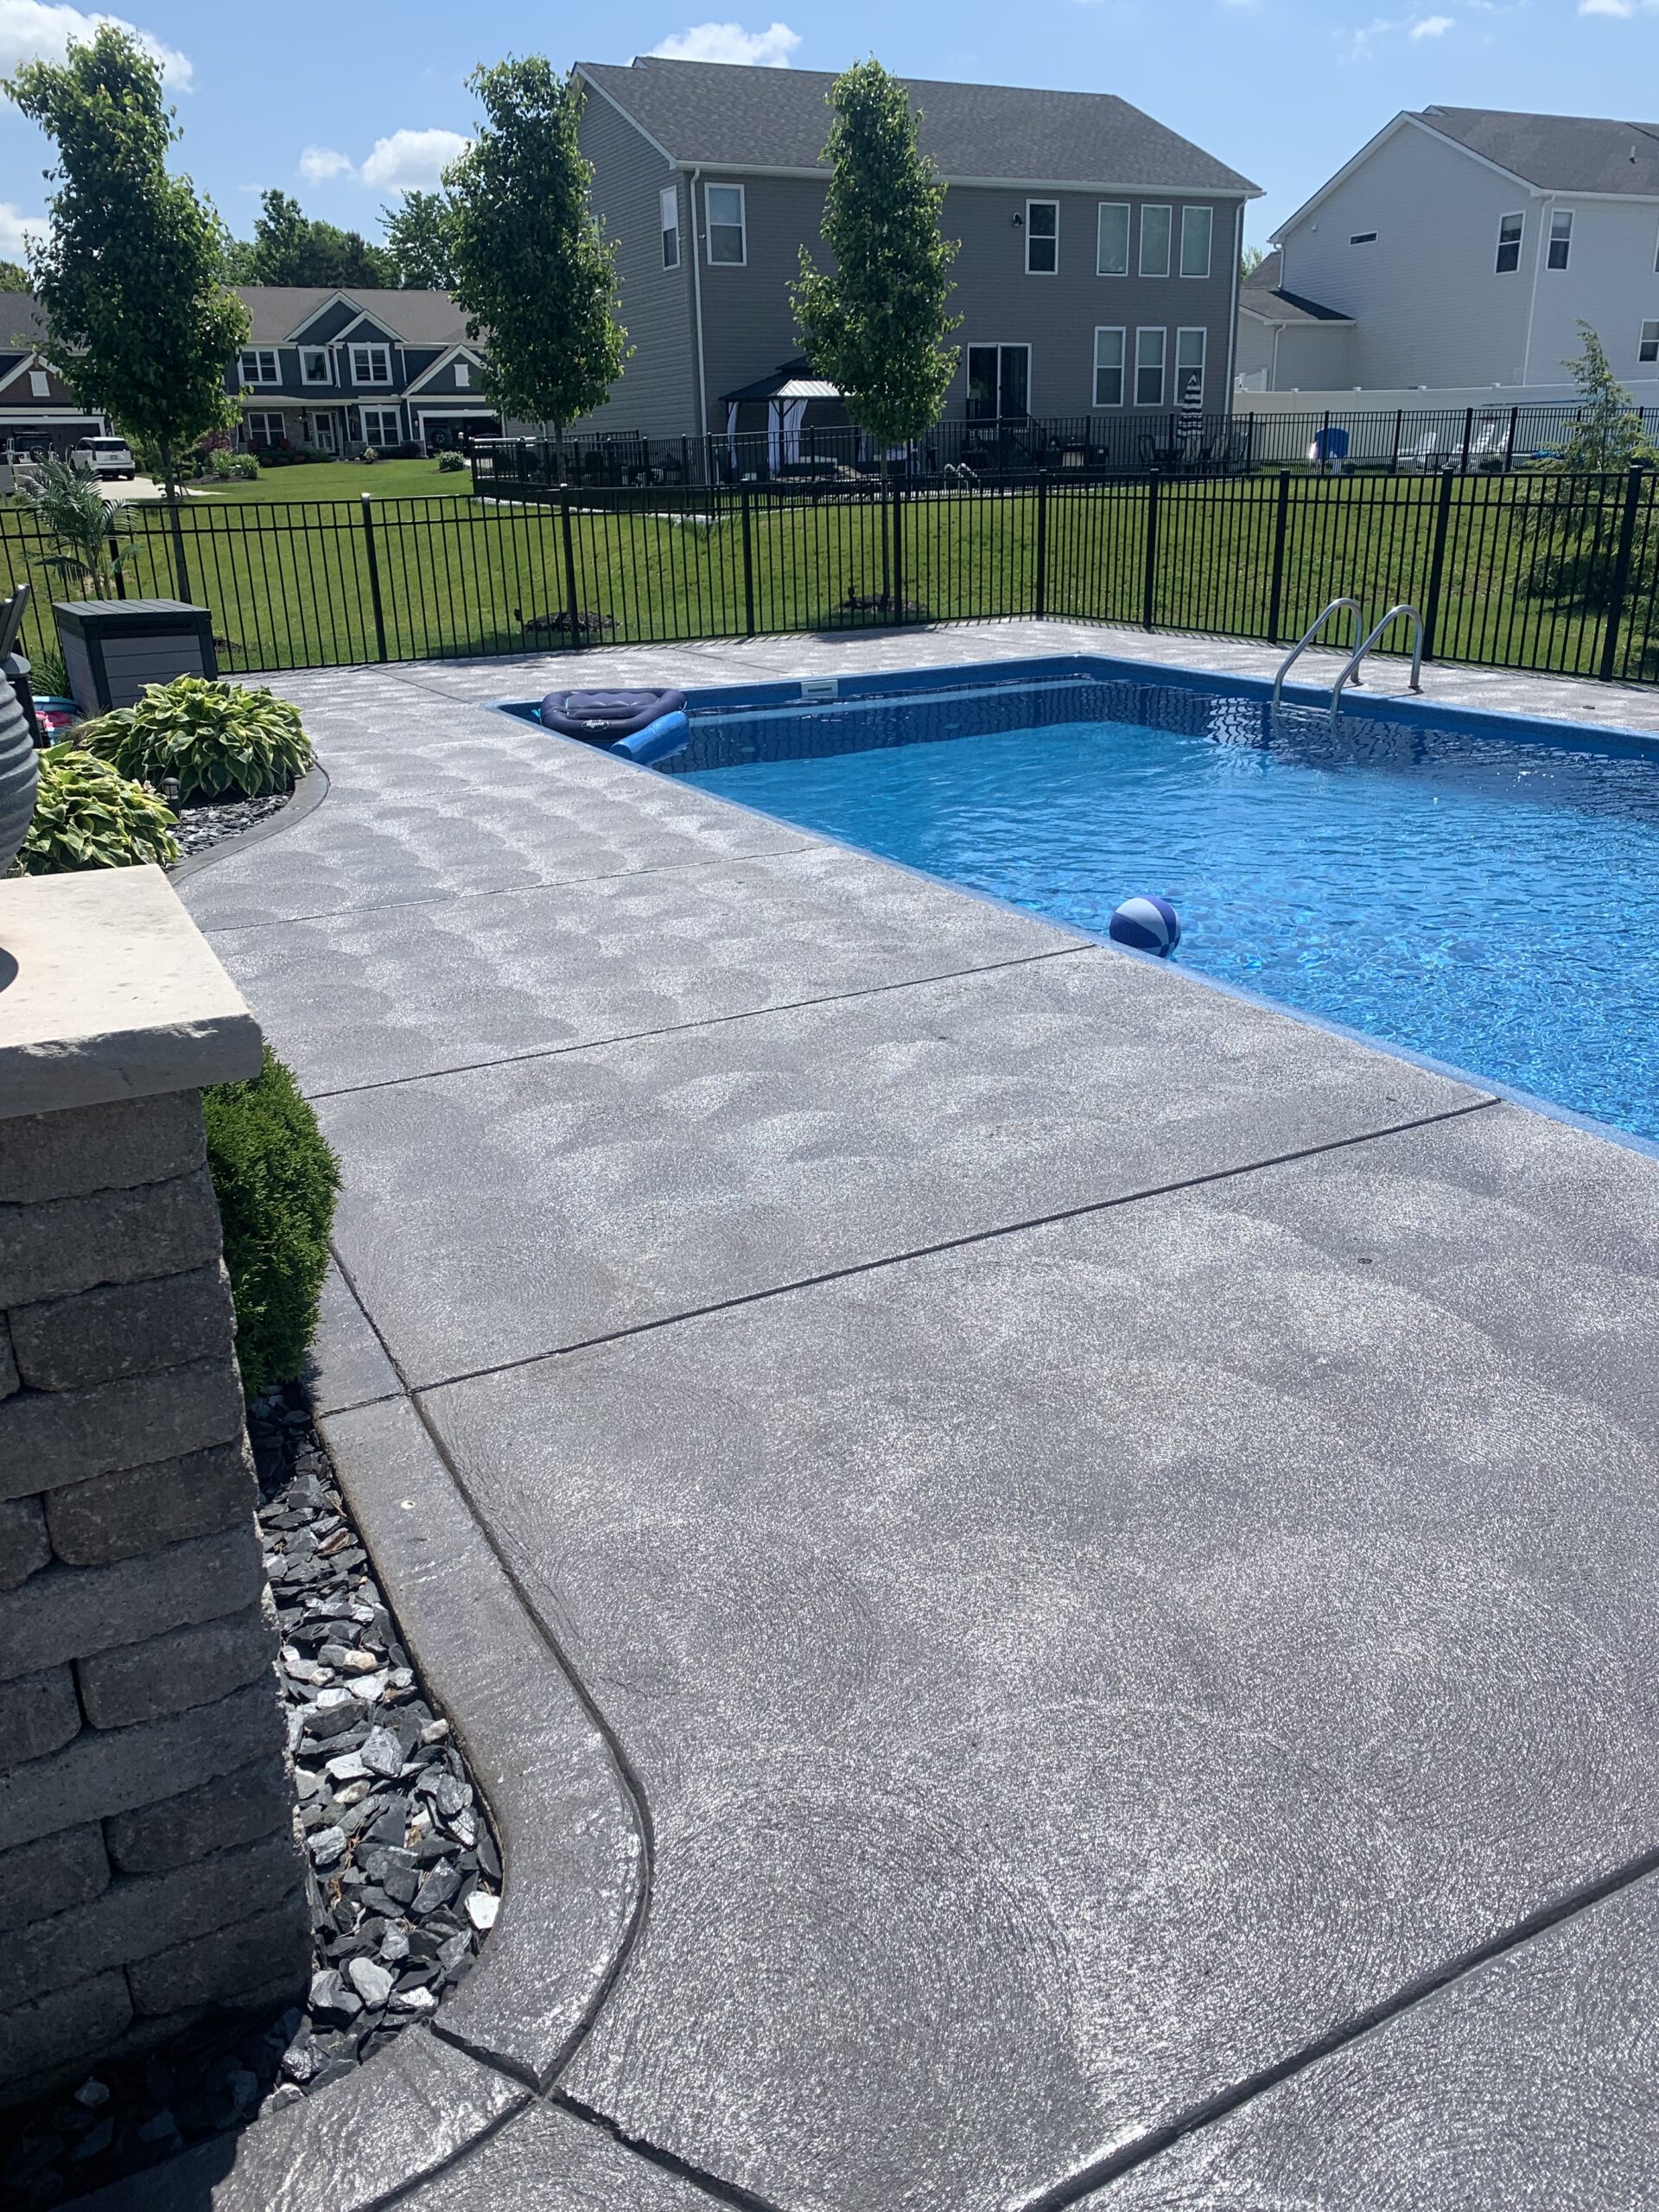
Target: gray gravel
200,827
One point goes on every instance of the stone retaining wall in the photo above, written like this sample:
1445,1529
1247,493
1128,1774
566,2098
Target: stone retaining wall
149,1866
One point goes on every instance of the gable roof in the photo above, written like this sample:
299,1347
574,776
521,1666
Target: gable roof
278,312
1558,153
730,116
1260,294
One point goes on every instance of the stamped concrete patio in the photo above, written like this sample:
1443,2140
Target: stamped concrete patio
1049,1572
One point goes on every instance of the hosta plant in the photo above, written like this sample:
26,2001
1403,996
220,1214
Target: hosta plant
89,815
220,741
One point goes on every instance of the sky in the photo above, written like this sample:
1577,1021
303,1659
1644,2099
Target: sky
346,111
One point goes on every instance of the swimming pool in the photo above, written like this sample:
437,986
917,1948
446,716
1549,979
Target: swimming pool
1483,892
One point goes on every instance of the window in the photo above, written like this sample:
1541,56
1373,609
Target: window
1112,239
1108,368
729,244
265,430
259,367
1561,237
999,383
1042,238
315,365
1363,238
669,204
381,427
40,385
371,363
463,375
1154,241
1649,349
1149,368
1508,243
1189,368
1197,224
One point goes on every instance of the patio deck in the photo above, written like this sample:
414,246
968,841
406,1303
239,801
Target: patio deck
1049,1571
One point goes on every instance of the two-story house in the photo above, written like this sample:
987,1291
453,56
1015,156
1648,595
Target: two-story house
1098,274
1461,247
334,372
38,414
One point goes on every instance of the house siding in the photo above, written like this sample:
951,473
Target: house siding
656,393
1609,280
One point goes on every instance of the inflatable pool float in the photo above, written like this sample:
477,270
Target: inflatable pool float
644,725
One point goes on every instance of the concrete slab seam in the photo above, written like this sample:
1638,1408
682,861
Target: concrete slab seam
711,2185
945,1244
1100,2173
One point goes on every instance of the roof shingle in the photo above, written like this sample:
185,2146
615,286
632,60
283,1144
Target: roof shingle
1560,153
727,115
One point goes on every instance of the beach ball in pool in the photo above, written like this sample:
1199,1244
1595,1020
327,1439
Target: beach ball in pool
1145,925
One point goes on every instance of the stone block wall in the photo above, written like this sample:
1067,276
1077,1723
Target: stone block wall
148,1865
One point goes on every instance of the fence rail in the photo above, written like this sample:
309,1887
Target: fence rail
1543,571
1405,440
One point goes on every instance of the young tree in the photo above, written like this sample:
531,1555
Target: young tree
876,326
129,274
290,247
14,278
1608,435
417,242
530,262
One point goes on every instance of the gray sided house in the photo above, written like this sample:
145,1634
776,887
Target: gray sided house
333,371
37,414
1098,276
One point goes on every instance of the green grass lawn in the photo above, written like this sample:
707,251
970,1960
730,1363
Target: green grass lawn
289,582
342,480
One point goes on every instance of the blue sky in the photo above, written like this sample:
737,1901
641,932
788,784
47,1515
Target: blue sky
343,109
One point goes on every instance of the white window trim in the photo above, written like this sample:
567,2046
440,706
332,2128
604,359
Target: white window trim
1557,215
322,383
1642,339
1151,330
379,438
1509,215
742,262
1196,276
256,383
668,212
1055,205
1110,330
40,385
463,374
1156,206
1101,206
1201,331
1000,346
370,346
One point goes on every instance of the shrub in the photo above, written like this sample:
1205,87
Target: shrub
450,463
89,815
368,453
220,740
221,465
275,1180
246,466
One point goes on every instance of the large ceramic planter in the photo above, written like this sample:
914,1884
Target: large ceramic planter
19,775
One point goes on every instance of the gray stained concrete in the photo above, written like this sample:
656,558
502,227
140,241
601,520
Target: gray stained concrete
1103,1535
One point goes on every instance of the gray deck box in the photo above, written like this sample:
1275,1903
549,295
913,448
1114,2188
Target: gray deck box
113,647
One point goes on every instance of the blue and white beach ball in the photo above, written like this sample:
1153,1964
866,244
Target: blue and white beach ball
1148,926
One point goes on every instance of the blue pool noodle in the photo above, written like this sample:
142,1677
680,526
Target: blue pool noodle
656,741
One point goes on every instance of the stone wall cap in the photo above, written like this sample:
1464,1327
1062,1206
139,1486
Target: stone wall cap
108,991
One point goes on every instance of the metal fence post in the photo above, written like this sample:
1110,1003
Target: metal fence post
899,548
374,577
1039,592
748,568
115,563
1399,425
1508,443
1149,572
572,611
1621,575
1468,432
1437,565
1281,517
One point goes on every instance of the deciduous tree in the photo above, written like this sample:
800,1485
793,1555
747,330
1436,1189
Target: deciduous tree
417,242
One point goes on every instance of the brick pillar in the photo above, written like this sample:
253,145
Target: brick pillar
149,1866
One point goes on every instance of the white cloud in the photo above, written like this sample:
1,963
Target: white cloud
1360,42
15,229
771,47
411,161
319,164
1606,7
1431,26
31,30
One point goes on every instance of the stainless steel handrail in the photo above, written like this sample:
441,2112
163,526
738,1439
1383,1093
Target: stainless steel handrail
1404,607
1308,638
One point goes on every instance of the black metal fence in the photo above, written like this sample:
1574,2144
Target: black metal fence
1545,571
1406,441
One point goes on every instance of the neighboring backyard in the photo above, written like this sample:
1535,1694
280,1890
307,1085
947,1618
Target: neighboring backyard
293,582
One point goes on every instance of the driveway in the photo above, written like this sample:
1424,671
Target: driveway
1051,1572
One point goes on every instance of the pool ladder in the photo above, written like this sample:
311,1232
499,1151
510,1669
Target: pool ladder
1351,670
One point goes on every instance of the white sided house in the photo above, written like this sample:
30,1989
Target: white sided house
1460,249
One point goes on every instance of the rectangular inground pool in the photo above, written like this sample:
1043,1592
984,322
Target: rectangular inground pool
1477,888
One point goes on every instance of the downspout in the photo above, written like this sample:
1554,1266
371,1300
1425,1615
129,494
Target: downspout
1540,248
1232,315
696,293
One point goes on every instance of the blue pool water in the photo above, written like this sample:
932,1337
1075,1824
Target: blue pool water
1488,900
